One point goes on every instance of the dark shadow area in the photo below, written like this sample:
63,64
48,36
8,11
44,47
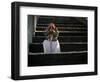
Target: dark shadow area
57,59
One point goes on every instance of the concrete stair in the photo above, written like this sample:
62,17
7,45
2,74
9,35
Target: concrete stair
57,59
39,39
65,47
63,33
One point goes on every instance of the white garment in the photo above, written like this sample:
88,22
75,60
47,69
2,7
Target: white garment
51,46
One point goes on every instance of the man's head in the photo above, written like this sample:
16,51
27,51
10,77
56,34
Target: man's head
52,31
52,27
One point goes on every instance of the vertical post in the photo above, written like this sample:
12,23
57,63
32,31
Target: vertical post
30,28
34,26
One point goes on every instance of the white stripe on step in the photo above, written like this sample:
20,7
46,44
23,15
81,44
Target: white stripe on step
69,52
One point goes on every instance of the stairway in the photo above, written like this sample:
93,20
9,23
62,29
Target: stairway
72,37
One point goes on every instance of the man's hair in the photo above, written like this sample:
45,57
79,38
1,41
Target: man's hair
52,30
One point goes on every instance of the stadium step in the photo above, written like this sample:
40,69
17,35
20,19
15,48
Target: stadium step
71,58
62,25
39,39
64,33
65,47
64,28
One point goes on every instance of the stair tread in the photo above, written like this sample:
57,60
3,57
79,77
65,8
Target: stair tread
66,31
69,33
39,39
61,24
63,28
68,52
36,48
64,43
59,36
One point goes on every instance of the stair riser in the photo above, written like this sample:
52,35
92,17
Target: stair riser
57,59
36,48
63,34
63,25
61,39
73,47
66,29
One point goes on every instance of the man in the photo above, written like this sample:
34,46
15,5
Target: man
51,44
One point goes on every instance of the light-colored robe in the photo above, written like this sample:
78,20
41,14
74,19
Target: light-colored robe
51,46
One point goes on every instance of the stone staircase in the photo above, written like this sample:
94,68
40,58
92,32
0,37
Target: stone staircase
72,37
